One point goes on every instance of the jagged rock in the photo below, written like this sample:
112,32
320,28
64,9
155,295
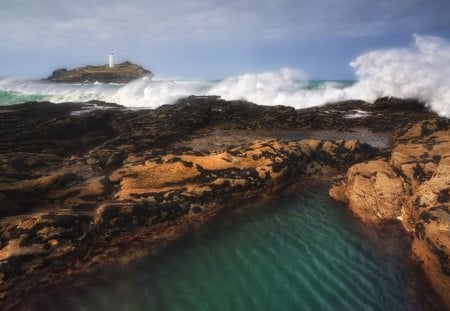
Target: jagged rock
264,161
22,195
373,191
82,183
145,193
412,186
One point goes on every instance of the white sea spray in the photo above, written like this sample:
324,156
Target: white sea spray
420,71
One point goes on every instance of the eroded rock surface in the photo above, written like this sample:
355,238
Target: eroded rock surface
82,183
412,184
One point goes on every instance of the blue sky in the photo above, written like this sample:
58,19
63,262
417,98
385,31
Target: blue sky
210,38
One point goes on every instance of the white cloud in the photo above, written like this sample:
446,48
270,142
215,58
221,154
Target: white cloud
57,23
182,36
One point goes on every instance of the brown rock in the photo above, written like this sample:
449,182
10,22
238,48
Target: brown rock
413,186
373,191
87,181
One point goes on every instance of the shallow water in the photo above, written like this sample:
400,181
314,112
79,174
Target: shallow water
301,252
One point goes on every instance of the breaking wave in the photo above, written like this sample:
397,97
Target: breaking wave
420,71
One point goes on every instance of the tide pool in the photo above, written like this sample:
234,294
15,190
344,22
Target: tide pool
300,252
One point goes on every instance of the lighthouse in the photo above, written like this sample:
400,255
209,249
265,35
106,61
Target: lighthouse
111,60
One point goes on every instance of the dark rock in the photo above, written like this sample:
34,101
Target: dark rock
444,196
80,179
7,207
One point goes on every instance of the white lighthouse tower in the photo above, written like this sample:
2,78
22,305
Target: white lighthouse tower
111,60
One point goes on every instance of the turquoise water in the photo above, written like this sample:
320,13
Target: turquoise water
269,88
302,252
14,98
338,84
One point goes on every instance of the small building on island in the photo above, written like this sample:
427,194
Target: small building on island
109,73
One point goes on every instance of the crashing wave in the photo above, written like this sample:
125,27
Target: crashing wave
420,71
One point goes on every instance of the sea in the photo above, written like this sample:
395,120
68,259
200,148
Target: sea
302,251
283,87
420,71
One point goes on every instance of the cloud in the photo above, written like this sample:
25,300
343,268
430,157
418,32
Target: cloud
56,23
191,37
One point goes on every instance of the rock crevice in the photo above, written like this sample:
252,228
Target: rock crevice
82,183
411,185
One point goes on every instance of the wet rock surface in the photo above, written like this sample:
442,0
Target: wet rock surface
82,182
410,184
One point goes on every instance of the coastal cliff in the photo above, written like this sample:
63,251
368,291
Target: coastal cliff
84,185
120,73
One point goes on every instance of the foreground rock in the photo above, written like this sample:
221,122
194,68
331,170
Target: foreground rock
85,214
83,184
412,185
120,73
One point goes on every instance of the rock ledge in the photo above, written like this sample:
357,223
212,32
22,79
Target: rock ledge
411,185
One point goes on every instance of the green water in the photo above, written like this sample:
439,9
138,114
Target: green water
302,252
338,84
14,98
14,92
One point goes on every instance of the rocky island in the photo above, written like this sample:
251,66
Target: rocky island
119,73
84,185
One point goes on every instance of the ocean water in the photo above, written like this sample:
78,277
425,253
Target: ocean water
270,88
420,71
15,98
300,252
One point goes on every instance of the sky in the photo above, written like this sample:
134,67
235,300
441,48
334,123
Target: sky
210,39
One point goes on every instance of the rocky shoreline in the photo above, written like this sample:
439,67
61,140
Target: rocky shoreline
411,184
81,183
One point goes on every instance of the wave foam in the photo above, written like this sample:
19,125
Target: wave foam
285,87
420,71
146,92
